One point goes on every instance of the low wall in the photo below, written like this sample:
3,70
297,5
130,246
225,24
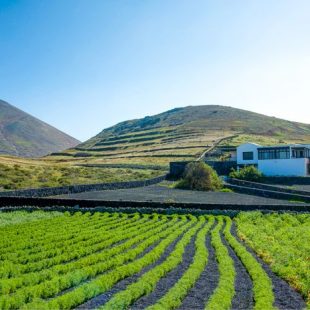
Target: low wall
288,180
63,190
267,193
177,169
267,187
76,205
221,167
125,166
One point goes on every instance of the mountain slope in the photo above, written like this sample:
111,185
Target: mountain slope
24,135
184,133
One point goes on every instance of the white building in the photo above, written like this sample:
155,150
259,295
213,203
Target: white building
282,160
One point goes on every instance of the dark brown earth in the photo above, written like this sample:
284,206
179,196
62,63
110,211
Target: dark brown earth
159,193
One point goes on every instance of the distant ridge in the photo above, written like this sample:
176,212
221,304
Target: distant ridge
24,135
185,134
210,118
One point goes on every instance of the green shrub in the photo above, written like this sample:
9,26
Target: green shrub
199,176
226,190
248,173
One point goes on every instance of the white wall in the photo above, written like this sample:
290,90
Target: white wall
247,147
283,167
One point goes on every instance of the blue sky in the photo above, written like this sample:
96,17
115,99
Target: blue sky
84,65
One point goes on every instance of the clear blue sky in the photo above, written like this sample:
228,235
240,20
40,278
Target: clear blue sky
83,65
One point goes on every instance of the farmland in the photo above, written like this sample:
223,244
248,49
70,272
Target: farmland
155,261
283,242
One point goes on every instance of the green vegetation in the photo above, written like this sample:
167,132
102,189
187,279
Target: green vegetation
20,176
199,176
247,173
23,216
225,291
281,240
178,292
262,286
226,190
63,260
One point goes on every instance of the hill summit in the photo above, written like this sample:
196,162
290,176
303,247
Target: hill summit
24,135
185,134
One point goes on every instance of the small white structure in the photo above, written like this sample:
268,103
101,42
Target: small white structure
282,160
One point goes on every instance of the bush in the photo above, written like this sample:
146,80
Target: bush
226,190
248,173
199,176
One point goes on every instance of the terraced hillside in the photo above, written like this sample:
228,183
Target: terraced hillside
183,134
121,261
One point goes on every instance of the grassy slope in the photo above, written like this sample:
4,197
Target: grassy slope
184,133
179,134
16,173
23,135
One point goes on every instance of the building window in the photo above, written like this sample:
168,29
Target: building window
301,153
248,156
274,153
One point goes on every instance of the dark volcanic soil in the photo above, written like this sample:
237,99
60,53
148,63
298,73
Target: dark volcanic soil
159,193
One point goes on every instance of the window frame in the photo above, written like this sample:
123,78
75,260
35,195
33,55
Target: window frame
251,157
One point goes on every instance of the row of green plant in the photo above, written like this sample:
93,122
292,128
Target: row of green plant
122,243
88,239
9,218
281,240
97,250
21,248
148,281
41,230
70,235
61,282
225,291
262,285
108,273
78,253
174,297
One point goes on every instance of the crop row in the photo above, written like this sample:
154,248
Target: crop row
283,240
108,248
131,236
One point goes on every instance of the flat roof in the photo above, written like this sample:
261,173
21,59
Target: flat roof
285,146
297,145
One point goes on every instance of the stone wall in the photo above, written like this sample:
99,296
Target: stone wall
268,193
221,167
267,187
177,169
13,203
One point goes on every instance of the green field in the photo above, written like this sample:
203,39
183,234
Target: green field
283,241
65,260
